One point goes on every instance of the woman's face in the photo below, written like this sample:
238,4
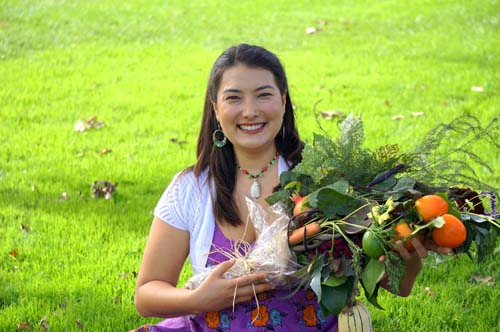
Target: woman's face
249,107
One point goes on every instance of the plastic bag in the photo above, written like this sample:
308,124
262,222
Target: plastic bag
270,254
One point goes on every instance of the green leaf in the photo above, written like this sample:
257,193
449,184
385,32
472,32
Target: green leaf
385,185
334,281
371,275
373,298
279,196
405,183
333,203
334,299
342,186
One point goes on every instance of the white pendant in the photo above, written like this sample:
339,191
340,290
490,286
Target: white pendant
255,189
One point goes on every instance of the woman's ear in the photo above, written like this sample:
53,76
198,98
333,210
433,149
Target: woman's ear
283,98
215,110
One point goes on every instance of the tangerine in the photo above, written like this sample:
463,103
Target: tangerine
431,206
451,234
404,230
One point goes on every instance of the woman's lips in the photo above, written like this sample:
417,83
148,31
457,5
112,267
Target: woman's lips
251,127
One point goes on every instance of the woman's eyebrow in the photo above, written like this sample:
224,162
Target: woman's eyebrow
233,90
264,87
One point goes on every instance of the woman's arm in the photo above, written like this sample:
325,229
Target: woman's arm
156,294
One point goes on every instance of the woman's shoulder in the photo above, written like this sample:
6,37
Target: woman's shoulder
188,180
183,198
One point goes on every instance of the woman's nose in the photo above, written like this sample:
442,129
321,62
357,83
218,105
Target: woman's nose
249,108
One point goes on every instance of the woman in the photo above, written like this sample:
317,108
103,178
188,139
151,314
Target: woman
247,138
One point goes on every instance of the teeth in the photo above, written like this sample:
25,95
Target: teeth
252,127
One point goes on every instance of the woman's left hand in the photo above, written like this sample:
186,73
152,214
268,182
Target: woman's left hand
413,260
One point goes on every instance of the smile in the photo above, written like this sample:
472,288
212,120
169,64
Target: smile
251,127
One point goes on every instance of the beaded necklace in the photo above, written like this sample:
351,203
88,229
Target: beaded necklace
255,188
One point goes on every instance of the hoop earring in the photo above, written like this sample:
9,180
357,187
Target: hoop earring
217,132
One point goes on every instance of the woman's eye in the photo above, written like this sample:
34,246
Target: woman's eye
232,98
265,94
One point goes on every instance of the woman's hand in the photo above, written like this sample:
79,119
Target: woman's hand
413,261
217,292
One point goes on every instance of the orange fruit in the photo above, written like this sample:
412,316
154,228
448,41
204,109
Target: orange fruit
451,234
403,230
431,206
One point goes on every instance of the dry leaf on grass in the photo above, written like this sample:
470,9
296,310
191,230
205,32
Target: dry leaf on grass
24,326
398,117
79,324
488,280
14,252
44,323
311,30
84,125
105,151
429,292
332,114
103,188
477,89
417,114
176,140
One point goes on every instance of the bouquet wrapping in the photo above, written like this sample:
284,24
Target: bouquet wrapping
269,254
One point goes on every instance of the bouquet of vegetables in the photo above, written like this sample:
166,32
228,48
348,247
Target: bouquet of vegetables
350,205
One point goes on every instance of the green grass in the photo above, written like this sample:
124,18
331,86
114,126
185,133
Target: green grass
141,67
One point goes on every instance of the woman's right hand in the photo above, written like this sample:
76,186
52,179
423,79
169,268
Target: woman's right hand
217,292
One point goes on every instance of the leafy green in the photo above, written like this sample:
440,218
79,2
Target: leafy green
371,276
334,298
327,161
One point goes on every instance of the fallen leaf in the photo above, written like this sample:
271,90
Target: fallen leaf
331,114
84,125
14,252
398,117
488,280
477,89
176,140
79,324
311,30
25,228
388,103
126,275
44,324
429,292
33,188
417,114
93,123
105,151
103,189
24,326
64,196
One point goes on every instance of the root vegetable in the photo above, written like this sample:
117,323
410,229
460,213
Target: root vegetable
304,232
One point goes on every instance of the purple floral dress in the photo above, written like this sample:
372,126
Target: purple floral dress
276,312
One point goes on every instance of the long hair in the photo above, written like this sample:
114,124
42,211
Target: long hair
221,162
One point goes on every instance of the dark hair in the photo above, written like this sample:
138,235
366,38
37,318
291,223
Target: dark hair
221,162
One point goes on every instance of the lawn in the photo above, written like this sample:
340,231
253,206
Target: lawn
68,261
